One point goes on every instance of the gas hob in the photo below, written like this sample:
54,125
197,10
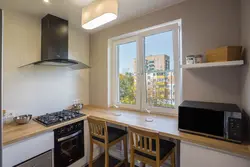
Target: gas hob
58,117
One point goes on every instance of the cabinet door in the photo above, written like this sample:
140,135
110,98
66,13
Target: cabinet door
199,156
39,161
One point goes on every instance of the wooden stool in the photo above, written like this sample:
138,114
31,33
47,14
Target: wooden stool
106,137
147,147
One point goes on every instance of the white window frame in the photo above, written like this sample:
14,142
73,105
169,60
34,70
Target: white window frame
139,36
115,74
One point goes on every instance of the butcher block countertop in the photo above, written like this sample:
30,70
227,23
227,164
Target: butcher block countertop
167,126
13,133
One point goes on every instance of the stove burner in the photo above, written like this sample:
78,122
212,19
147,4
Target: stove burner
58,117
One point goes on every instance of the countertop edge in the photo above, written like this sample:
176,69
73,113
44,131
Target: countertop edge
45,129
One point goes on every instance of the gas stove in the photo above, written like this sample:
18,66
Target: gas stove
58,117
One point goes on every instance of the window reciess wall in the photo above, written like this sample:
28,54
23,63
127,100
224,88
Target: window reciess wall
145,69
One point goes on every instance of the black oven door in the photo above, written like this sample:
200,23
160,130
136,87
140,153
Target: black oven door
69,149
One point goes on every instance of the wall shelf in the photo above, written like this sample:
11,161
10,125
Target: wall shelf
213,64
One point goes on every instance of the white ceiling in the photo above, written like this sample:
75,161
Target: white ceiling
72,9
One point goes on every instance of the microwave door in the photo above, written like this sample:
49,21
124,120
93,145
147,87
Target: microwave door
202,121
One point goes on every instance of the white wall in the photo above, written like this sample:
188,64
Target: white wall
39,89
245,40
206,24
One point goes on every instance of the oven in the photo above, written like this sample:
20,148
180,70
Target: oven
69,144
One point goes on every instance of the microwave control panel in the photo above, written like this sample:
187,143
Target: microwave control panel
234,129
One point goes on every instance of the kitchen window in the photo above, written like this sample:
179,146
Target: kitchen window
145,71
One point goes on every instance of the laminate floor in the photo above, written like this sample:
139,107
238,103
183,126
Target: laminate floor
100,162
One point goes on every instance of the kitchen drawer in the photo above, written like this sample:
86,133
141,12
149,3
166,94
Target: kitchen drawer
24,150
43,160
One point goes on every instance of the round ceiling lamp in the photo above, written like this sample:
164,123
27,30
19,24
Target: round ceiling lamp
99,13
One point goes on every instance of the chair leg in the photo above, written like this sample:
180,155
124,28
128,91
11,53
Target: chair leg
173,159
91,154
158,164
106,156
125,148
132,159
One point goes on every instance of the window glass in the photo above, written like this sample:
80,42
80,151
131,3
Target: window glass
127,72
159,67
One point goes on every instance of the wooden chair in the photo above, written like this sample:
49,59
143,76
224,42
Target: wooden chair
147,147
106,137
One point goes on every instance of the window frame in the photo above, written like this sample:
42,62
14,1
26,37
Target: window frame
138,37
115,75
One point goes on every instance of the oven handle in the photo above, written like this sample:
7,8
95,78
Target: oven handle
69,136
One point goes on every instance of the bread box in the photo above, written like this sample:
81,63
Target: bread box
227,53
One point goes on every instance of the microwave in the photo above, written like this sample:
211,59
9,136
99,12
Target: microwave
216,120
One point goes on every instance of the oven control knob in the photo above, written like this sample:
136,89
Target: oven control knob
62,130
70,128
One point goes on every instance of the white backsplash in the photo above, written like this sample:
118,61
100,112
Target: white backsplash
42,89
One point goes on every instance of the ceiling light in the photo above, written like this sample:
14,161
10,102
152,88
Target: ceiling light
46,1
99,13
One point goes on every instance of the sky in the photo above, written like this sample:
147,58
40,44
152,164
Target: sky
154,45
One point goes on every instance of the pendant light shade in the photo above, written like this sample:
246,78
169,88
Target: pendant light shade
99,13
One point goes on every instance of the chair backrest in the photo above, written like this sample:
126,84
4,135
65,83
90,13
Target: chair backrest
143,140
97,128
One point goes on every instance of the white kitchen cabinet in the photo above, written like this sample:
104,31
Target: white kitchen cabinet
21,151
199,156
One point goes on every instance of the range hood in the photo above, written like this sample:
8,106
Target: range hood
54,48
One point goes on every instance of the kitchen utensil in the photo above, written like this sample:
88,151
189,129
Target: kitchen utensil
22,119
77,106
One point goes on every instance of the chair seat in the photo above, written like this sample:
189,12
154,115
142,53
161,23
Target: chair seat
165,148
113,134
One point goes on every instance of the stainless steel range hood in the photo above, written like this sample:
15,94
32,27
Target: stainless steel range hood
54,48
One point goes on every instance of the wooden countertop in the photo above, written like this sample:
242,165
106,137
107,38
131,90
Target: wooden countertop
165,125
13,133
